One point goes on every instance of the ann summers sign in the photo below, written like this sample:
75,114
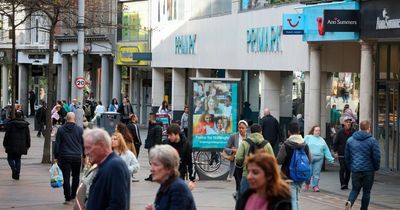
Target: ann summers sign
341,20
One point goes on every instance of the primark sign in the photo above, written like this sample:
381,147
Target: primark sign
264,39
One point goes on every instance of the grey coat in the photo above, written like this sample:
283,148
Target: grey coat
232,142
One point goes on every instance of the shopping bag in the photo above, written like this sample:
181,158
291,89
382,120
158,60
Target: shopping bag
56,176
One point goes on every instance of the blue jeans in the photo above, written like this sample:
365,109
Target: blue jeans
295,191
360,180
14,160
316,166
244,185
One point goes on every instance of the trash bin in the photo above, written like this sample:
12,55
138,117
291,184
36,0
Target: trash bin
108,120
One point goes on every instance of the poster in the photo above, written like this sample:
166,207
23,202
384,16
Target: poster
214,111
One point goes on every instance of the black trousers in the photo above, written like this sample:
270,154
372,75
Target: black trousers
238,177
68,168
344,173
137,147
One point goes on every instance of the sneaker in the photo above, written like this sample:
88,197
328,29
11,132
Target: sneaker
316,189
234,196
306,187
347,206
344,187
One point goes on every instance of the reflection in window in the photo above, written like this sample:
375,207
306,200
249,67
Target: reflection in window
258,4
135,21
209,8
168,10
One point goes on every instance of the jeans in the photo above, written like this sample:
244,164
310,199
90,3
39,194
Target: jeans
344,173
69,167
360,180
295,191
316,165
238,177
14,160
244,185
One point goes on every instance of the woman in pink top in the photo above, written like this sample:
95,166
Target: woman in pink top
268,191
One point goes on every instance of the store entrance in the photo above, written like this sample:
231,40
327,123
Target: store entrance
387,128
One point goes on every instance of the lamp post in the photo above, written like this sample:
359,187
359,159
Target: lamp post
79,72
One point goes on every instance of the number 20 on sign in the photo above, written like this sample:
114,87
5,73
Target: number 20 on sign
80,82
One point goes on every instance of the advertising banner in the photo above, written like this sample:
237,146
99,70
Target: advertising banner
342,20
125,53
293,24
214,112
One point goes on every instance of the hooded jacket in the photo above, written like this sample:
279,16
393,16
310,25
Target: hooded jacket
154,135
184,149
270,129
17,139
244,147
69,142
286,152
362,152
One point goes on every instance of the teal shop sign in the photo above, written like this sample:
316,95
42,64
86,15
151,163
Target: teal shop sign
264,39
185,44
293,24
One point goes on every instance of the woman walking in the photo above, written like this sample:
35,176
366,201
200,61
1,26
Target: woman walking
319,150
120,148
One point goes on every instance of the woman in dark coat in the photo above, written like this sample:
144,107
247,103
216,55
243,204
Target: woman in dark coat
17,141
267,188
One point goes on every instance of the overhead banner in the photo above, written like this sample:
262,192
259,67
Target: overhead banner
214,112
342,20
126,53
293,24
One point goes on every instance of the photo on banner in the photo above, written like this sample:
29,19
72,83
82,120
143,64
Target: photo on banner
214,108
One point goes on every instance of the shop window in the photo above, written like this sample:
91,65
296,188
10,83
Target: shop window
210,8
259,4
383,57
134,20
394,62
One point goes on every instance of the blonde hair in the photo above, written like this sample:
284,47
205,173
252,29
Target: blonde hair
121,148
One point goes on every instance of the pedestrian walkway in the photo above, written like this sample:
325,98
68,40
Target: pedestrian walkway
33,191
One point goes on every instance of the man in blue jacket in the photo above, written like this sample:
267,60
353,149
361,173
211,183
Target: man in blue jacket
362,156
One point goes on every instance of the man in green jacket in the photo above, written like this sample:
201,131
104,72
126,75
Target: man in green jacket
243,151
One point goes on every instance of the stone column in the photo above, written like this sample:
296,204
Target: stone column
324,104
23,87
270,92
366,82
74,93
105,85
315,87
233,73
286,102
307,125
116,86
64,78
4,85
59,70
254,93
178,92
157,89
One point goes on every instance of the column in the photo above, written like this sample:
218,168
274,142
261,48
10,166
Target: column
270,92
324,104
178,92
74,93
59,70
307,125
23,87
105,85
233,73
157,89
116,86
254,96
315,87
285,99
4,85
366,83
64,78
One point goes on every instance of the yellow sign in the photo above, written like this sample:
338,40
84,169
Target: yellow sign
125,53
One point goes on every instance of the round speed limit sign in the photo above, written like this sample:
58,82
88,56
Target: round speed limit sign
80,82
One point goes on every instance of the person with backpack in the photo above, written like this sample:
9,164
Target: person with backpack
248,146
295,158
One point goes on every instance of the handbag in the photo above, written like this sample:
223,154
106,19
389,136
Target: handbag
230,157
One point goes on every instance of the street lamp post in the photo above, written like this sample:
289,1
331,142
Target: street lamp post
79,72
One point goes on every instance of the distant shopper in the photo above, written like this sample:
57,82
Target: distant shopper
100,109
17,141
185,121
319,150
256,141
267,189
73,105
111,186
41,118
173,193
271,130
363,158
154,135
134,129
113,107
125,109
119,147
163,109
32,99
69,152
123,129
339,146
295,141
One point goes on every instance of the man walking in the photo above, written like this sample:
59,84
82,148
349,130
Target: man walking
363,157
339,145
32,99
271,130
111,186
295,141
154,135
17,141
68,152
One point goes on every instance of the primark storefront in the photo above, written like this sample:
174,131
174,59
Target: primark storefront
382,26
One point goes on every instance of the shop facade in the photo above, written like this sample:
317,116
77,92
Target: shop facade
382,29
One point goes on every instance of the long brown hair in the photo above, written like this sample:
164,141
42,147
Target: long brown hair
311,132
121,148
275,186
123,129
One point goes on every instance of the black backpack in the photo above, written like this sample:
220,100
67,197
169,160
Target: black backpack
254,147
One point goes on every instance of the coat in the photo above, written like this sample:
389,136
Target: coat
154,135
270,129
232,142
175,196
362,152
17,139
184,149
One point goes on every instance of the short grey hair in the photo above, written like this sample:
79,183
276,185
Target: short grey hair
98,135
168,156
